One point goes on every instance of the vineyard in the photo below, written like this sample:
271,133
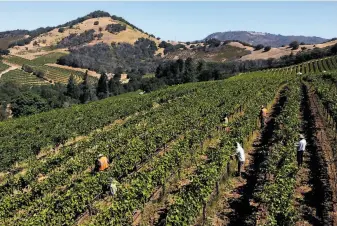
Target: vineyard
172,157
3,67
50,74
21,77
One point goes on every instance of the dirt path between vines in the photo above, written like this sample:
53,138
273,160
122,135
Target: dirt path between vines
326,167
308,186
237,204
11,68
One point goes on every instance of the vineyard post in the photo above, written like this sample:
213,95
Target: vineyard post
89,210
217,188
204,213
164,189
228,168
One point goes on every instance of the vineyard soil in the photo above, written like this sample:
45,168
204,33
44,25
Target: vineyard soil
325,161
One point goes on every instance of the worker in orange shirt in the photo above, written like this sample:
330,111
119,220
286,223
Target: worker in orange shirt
102,163
263,116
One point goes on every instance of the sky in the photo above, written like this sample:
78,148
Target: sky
184,21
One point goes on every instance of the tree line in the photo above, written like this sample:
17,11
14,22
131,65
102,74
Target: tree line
103,58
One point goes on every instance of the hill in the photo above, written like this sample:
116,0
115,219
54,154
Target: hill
96,27
7,37
266,39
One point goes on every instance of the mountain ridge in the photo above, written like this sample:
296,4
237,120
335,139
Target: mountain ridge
264,38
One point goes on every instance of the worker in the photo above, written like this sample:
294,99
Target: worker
102,163
225,121
300,150
263,115
113,186
225,124
240,153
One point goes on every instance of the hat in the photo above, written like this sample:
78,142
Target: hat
100,155
301,136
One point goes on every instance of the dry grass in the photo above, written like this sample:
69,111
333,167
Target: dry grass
281,51
239,45
51,38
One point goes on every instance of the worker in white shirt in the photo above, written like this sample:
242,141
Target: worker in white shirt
240,153
300,150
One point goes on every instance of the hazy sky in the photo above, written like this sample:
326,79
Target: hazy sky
184,21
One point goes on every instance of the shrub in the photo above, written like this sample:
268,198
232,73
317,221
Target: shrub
192,46
4,52
188,43
27,68
115,28
294,45
99,36
61,30
96,22
258,47
213,42
164,44
303,48
267,48
39,74
302,43
76,40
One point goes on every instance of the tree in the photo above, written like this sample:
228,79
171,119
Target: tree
258,47
190,74
61,30
181,65
87,93
28,103
27,68
115,88
302,43
205,75
213,42
294,45
333,49
4,52
72,89
3,112
201,66
102,90
39,74
115,28
267,48
216,74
